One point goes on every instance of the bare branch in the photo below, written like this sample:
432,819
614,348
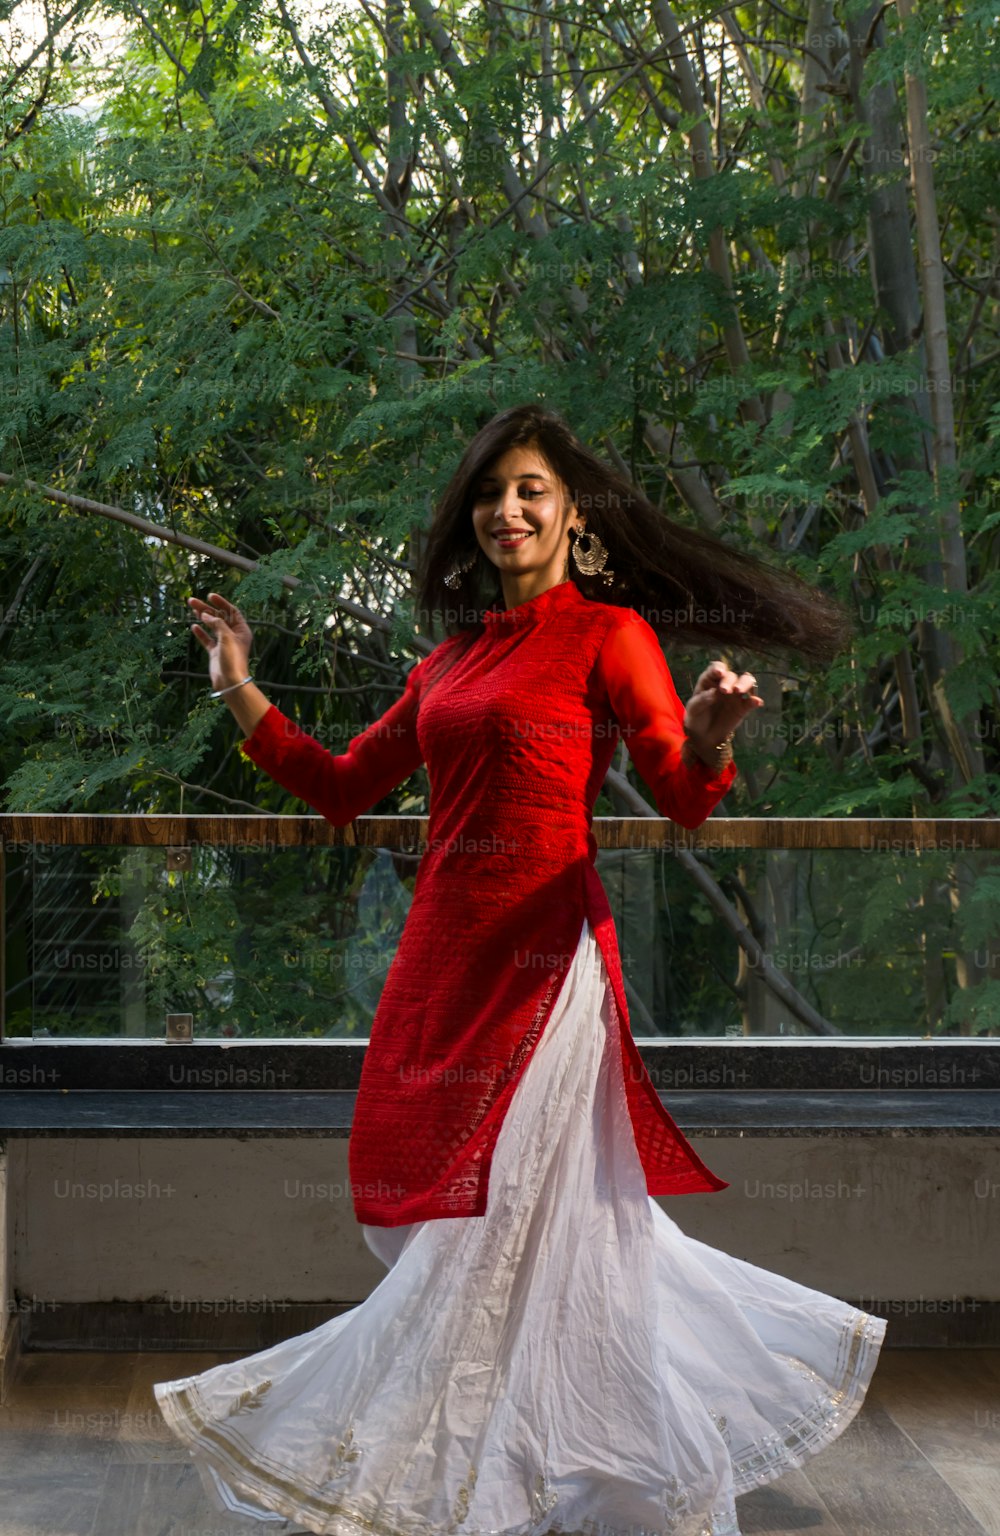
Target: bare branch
200,547
710,888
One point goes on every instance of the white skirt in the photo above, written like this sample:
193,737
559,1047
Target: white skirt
570,1361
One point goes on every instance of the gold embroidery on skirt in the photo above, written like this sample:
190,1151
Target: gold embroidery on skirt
250,1398
757,1462
461,1508
542,1497
345,1453
675,1502
720,1424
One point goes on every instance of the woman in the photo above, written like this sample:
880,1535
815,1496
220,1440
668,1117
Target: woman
548,1350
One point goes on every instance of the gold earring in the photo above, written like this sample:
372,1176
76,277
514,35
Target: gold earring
592,559
453,576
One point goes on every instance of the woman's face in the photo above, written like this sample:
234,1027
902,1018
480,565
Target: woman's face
518,494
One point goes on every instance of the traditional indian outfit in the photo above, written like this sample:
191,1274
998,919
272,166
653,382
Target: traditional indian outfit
547,1351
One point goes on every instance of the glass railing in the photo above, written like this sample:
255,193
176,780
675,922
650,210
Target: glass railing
283,928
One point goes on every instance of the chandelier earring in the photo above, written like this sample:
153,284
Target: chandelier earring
592,559
453,576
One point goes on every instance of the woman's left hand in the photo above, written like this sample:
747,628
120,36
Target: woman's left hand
721,700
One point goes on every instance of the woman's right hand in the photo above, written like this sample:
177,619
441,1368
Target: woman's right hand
227,638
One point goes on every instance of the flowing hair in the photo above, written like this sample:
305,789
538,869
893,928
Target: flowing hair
685,583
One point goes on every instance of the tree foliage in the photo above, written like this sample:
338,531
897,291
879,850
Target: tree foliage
263,272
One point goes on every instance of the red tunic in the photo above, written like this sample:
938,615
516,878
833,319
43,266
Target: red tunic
517,724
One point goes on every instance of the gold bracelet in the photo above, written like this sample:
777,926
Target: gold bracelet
723,751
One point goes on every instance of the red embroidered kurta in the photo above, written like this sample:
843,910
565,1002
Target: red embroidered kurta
517,724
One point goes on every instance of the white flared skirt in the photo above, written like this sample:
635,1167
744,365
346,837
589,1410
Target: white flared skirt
570,1361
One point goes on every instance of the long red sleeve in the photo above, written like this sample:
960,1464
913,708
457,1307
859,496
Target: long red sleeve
341,785
650,715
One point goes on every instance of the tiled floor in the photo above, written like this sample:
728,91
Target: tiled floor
84,1451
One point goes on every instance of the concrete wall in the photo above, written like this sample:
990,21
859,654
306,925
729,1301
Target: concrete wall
7,1316
183,1220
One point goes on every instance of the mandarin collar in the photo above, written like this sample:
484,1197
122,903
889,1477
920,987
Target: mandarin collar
559,596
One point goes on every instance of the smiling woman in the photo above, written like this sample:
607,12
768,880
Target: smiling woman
548,1350
525,469
523,513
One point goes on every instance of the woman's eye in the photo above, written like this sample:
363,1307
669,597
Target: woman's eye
491,495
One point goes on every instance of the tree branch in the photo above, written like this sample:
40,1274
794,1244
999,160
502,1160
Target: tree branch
710,888
200,547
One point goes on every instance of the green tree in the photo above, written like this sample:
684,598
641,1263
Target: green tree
260,292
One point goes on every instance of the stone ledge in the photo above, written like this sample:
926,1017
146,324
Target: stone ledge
329,1112
756,1064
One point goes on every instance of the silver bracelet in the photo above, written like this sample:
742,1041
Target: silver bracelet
218,692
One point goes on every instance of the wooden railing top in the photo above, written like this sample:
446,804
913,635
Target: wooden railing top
409,833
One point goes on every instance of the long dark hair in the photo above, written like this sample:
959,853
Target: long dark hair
685,583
